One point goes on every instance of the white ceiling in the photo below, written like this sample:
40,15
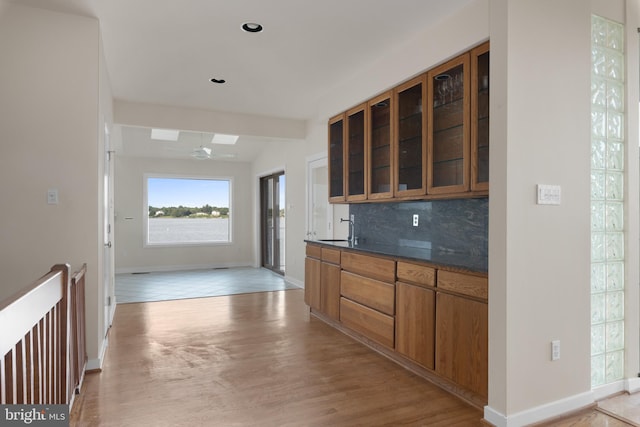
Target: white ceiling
165,51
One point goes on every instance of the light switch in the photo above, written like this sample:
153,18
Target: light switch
52,196
549,194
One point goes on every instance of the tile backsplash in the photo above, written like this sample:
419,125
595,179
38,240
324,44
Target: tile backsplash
455,226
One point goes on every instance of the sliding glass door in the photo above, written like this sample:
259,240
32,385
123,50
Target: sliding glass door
272,215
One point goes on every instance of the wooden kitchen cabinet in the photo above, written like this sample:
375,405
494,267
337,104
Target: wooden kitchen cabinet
379,149
415,323
367,305
336,159
410,141
462,332
427,138
480,118
322,280
312,266
416,313
330,283
356,158
432,320
449,135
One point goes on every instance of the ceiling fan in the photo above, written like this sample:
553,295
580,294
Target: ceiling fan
205,153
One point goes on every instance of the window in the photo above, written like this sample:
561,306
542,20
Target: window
187,210
607,202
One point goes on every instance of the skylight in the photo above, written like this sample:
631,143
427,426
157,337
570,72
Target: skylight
165,134
220,138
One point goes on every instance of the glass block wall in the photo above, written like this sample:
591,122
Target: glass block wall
607,201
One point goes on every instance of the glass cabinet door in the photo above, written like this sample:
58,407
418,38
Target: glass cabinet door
379,147
336,159
449,135
480,118
356,154
410,149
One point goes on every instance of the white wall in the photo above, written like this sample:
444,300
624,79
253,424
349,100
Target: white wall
49,119
290,158
540,254
130,254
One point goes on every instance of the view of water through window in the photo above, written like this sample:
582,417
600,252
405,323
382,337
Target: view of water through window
187,210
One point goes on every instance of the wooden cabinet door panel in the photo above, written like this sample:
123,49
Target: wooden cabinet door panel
370,266
331,255
372,293
462,342
370,323
312,282
314,251
330,293
336,152
473,286
415,323
416,274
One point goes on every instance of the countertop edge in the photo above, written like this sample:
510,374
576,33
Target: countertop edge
456,267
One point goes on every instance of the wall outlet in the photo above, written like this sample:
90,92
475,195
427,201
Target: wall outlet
352,217
415,220
555,350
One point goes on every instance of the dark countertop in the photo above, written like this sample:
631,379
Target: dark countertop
464,262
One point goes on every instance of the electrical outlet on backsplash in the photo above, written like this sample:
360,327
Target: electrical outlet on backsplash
458,226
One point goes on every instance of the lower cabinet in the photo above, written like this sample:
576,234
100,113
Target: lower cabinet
435,318
415,323
462,332
368,302
330,290
461,342
312,268
322,280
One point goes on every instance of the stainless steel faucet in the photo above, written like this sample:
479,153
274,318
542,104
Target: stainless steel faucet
352,234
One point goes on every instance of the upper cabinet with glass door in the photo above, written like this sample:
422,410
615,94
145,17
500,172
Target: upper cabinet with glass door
449,131
336,159
480,118
427,138
379,148
410,140
356,157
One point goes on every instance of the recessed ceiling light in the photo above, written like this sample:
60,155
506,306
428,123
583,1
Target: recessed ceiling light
220,138
165,134
220,81
252,27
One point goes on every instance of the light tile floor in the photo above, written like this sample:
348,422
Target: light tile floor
171,285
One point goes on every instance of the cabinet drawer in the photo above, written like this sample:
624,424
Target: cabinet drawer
370,323
370,266
464,284
331,255
416,274
372,293
314,251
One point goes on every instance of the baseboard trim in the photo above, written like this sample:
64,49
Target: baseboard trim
294,282
540,413
632,385
94,365
162,268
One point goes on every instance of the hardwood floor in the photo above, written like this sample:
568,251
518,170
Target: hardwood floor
256,360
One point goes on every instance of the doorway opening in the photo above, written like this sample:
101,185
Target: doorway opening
272,221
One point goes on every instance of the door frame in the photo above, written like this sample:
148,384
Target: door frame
259,220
